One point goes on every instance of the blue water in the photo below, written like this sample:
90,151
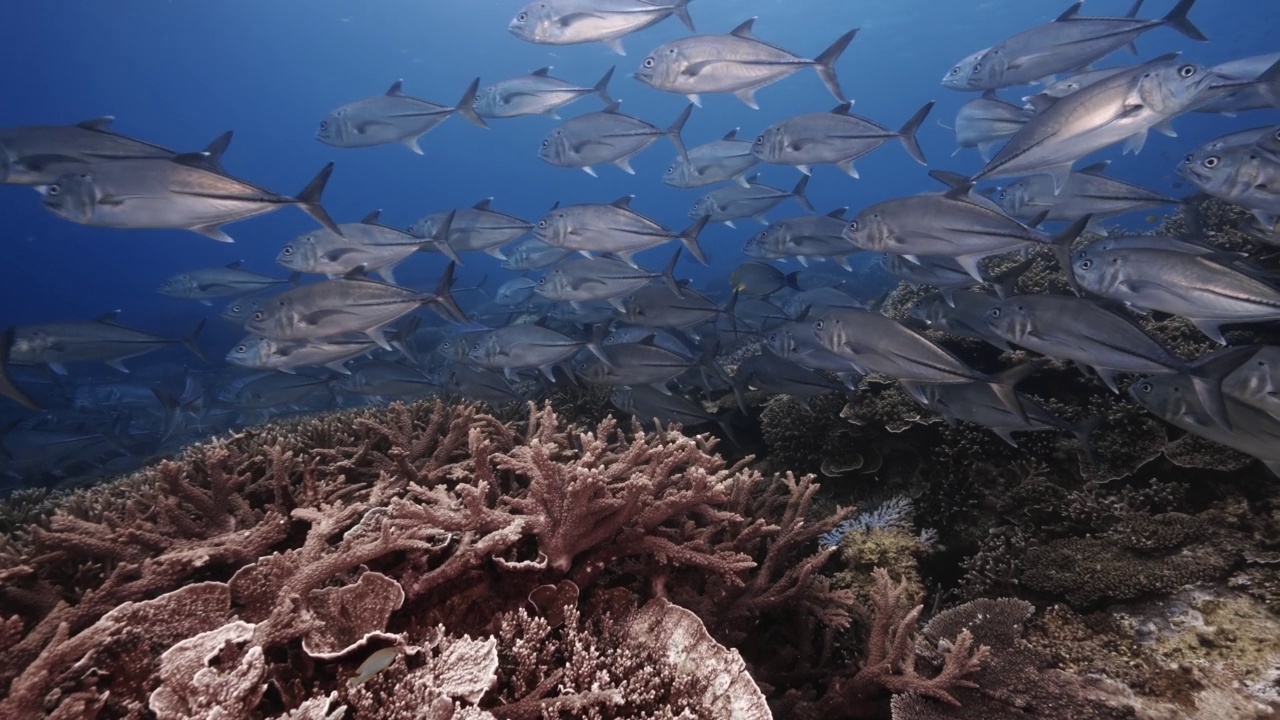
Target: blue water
178,73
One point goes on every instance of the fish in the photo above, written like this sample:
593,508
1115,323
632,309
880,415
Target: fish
582,280
738,63
1088,191
207,283
963,314
1256,382
272,391
570,22
386,379
976,403
1089,334
639,363
347,305
519,347
939,271
773,375
875,343
724,160
606,137
102,340
515,292
480,385
392,117
614,228
260,353
1195,286
803,237
1241,174
759,279
984,122
39,155
478,228
177,193
796,342
368,244
1121,108
647,405
1251,83
835,138
1269,142
958,224
536,94
1070,42
533,254
732,202
819,301
657,306
1078,81
238,311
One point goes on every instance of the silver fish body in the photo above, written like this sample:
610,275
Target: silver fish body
259,353
103,340
206,283
478,228
805,236
613,228
533,254
537,93
367,244
569,22
606,137
1086,192
1241,174
834,138
733,202
724,160
984,122
582,280
392,117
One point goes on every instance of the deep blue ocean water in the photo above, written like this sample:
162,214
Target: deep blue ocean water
178,73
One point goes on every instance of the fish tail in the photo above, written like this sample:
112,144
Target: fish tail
7,388
1178,20
798,193
602,88
908,133
681,10
402,340
1269,84
690,239
1061,245
1084,433
1005,386
192,342
669,274
467,105
443,298
825,64
1208,373
309,199
440,240
673,132
596,344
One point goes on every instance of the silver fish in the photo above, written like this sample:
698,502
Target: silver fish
614,228
737,63
1251,83
984,122
207,283
392,117
1122,107
1087,191
515,292
731,202
1079,81
180,192
367,244
941,272
759,279
480,385
102,340
633,364
238,311
1257,381
1197,287
39,155
533,254
961,313
656,306
818,302
535,94
647,404
387,379
606,137
261,353
804,237
569,22
796,342
478,228
834,138
517,347
582,280
773,375
272,391
1241,174
975,403
350,305
1068,43
726,159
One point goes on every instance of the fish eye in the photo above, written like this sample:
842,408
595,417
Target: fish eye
1086,264
53,190
817,325
235,308
545,144
1189,159
955,70
542,281
1276,135
1187,71
259,316
695,206
648,62
996,312
288,250
1004,194
671,169
1145,387
522,17
1212,161
324,124
542,224
242,349
475,347
977,67
853,226
759,139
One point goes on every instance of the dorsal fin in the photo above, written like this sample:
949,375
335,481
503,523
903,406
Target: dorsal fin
235,264
744,30
842,108
838,213
1096,168
1133,11
731,135
193,159
542,71
990,94
371,218
754,179
1040,103
109,318
396,89
613,107
100,124
358,272
1070,13
959,184
1164,58
554,205
483,204
623,202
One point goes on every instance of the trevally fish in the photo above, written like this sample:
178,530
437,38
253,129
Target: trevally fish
726,159
1195,286
647,404
383,378
1122,107
759,279
1087,191
536,94
519,347
102,340
1241,174
803,237
833,138
985,121
238,311
1072,83
207,283
773,375
480,385
7,386
640,363
737,63
614,228
976,403
962,313
818,302
733,202
40,154
657,306
514,292
1068,43
368,244
606,137
1257,381
569,22
348,305
179,192
1251,83
939,271
392,117
260,353
273,390
796,342
478,228
533,254
584,279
